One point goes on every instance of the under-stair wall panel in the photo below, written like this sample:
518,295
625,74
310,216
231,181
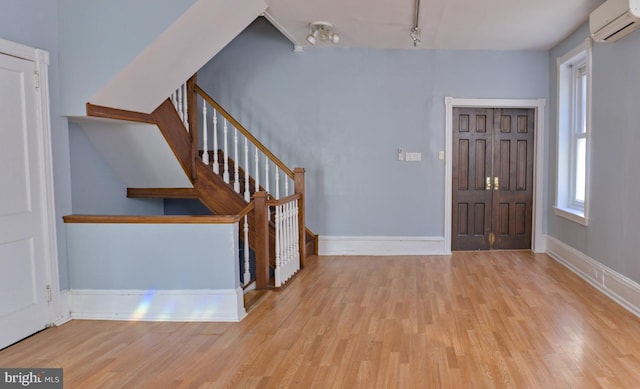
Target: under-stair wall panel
138,153
97,188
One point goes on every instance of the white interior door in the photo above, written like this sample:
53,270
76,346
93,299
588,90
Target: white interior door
23,255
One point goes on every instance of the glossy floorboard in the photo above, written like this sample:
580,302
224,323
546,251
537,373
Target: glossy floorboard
473,320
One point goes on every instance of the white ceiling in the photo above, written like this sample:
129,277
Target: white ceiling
445,24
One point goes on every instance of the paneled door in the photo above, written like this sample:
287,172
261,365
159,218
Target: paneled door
23,246
492,178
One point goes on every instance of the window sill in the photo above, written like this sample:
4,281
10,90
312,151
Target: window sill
572,214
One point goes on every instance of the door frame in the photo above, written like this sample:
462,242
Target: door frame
40,58
537,241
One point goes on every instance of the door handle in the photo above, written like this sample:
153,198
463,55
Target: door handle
496,183
488,186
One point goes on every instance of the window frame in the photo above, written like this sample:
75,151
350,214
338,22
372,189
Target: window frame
573,125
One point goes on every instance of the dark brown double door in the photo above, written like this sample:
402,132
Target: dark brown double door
492,178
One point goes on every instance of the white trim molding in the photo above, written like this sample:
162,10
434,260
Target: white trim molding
215,305
619,288
40,59
571,214
65,309
537,241
380,245
566,120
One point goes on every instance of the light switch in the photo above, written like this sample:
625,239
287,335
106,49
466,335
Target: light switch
413,156
441,155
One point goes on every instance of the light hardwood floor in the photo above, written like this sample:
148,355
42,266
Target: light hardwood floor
483,320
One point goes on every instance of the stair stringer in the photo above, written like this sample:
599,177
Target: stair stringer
210,188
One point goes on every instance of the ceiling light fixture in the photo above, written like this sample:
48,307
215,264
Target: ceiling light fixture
321,32
415,31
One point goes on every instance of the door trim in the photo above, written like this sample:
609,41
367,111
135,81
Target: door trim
40,58
537,238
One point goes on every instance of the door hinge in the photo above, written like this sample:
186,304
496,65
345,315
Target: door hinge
49,294
36,78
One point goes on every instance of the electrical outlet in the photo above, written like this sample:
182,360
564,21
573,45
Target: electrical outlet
413,157
400,154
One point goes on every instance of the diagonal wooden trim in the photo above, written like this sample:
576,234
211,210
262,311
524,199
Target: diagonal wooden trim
244,131
175,133
120,114
162,193
127,219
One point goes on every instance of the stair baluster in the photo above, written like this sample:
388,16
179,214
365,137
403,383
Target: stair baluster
185,108
247,271
286,237
225,173
247,193
216,163
179,102
236,172
266,173
278,224
205,152
295,233
257,170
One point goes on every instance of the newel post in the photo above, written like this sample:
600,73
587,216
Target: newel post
298,181
192,117
261,237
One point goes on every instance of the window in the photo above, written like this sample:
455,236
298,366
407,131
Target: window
574,121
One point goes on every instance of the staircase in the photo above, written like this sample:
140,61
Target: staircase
218,154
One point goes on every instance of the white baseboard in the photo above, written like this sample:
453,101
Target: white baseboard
219,305
65,310
381,245
621,289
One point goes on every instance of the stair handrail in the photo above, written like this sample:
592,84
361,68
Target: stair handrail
244,131
234,167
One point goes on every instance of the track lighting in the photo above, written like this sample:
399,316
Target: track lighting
321,32
415,36
415,31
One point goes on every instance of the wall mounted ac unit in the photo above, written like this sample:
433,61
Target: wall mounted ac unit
614,19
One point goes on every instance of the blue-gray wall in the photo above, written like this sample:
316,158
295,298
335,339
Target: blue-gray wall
99,38
612,235
35,23
153,256
96,189
343,113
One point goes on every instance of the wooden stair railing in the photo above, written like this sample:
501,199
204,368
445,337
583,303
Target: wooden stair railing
178,123
236,125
